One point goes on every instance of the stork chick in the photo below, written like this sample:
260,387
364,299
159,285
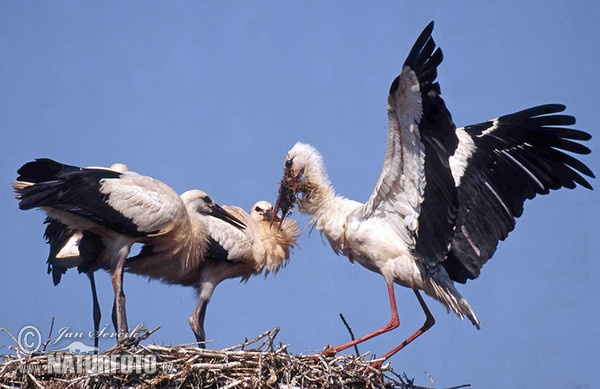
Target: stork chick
231,252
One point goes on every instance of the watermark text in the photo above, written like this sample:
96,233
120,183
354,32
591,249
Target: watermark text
64,363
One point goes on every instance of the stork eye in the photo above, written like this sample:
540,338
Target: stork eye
257,209
289,163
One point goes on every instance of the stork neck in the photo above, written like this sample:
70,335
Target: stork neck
322,193
195,245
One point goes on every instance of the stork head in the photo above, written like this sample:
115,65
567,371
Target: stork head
263,211
303,173
200,202
119,167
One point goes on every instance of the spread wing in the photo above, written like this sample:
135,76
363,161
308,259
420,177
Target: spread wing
497,166
416,192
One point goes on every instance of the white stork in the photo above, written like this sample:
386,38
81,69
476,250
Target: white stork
114,210
72,248
231,252
445,196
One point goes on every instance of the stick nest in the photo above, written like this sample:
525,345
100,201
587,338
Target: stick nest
256,363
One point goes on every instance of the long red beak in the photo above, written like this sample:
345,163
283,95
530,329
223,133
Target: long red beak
274,216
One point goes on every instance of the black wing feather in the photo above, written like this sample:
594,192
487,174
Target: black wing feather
216,252
91,248
494,187
56,235
73,189
437,131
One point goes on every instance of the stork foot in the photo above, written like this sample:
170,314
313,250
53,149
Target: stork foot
377,365
200,339
329,351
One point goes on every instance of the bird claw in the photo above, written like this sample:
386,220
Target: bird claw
377,365
329,352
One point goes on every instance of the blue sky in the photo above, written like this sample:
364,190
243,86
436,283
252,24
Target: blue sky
211,95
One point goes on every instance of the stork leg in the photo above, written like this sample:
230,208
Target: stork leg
97,315
114,316
197,322
205,290
394,323
119,308
429,322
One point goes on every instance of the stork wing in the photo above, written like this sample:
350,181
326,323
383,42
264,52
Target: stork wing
153,206
126,202
228,242
497,166
57,235
416,192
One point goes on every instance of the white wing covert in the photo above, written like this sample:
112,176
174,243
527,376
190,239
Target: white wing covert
227,242
152,205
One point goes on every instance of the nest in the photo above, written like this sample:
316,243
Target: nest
256,363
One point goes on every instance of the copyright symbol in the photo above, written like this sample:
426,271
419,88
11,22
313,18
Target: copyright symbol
29,339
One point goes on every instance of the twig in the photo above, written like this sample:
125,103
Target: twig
9,334
247,342
460,386
45,344
216,366
134,339
36,382
351,333
232,384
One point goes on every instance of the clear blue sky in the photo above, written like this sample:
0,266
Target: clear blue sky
211,95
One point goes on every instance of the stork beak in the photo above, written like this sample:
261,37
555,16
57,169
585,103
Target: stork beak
272,216
220,213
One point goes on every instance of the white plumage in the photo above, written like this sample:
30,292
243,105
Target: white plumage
113,210
231,252
96,214
445,196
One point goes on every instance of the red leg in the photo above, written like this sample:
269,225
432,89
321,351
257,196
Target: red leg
117,281
197,321
205,291
429,322
394,323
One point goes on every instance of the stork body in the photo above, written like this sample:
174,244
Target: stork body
115,209
74,248
445,196
231,252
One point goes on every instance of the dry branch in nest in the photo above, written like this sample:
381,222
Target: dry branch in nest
256,363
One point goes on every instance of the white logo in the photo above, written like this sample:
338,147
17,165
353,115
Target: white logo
29,339
78,347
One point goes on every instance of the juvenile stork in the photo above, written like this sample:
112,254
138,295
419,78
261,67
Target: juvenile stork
445,196
231,252
115,210
72,248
